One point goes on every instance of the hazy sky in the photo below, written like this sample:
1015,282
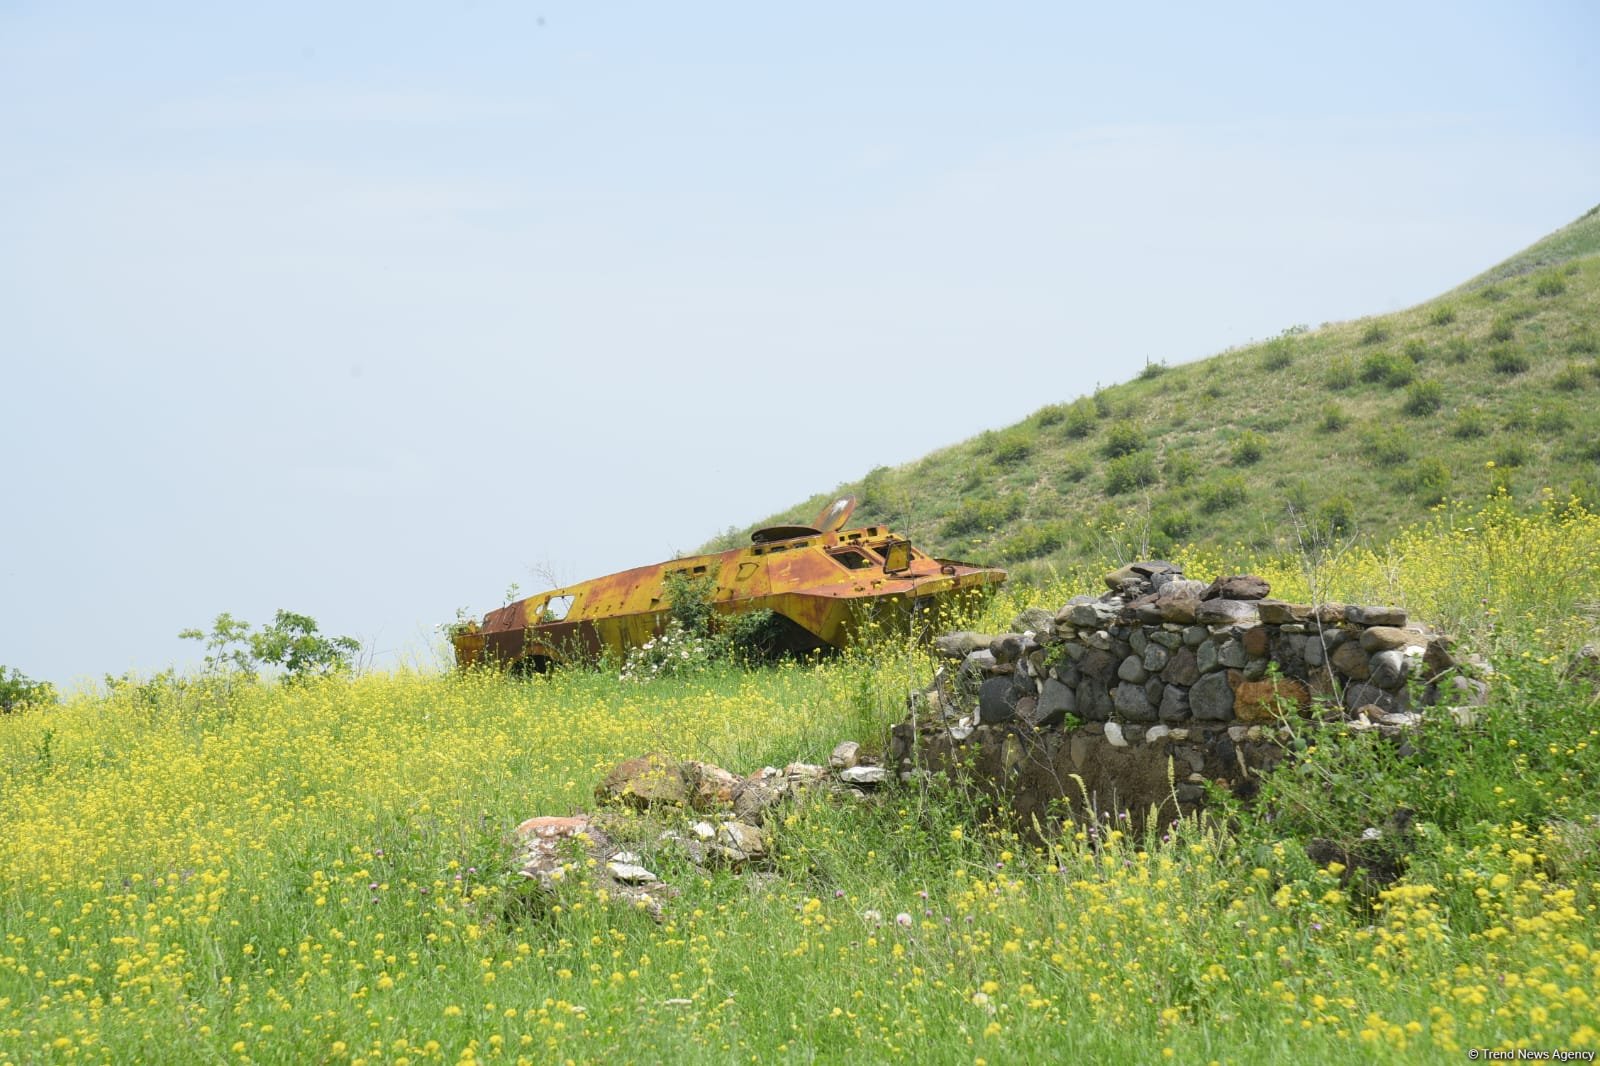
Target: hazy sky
369,311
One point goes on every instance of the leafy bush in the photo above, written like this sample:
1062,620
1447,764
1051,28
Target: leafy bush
1049,415
1124,438
291,643
1179,468
1424,398
17,691
976,516
1415,350
1375,333
1470,423
1074,472
1443,315
1033,540
1429,480
1492,294
1341,374
1223,493
1152,370
1457,351
1508,360
1334,418
1550,284
1553,419
1278,354
1336,514
1512,453
1131,471
1248,448
1503,328
1012,446
1175,525
1078,421
1385,446
1392,370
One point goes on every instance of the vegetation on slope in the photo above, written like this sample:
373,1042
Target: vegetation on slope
1359,427
318,872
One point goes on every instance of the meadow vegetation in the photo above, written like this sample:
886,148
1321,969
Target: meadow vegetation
319,871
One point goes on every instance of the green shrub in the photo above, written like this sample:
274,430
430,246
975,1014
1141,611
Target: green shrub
1503,328
1415,350
290,643
1124,438
1511,453
1384,446
1429,480
1553,419
1375,333
1049,415
1130,471
1033,540
1551,284
977,516
1492,294
1392,370
1175,524
1278,354
1457,350
1078,421
1470,423
1334,418
1424,398
1584,342
1012,446
1341,373
1152,370
1336,514
1074,472
1508,359
1223,493
17,691
1179,468
1443,315
1248,448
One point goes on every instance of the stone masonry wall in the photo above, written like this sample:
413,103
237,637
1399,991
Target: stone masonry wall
1136,699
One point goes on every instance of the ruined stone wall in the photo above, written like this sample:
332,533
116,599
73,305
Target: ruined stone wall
1138,698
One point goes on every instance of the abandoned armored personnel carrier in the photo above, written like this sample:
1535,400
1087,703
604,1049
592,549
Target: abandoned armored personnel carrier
823,583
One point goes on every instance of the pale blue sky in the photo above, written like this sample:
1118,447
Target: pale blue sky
365,311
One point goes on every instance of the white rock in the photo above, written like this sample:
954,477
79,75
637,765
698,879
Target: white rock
703,830
630,874
846,755
864,775
1114,735
627,858
1155,733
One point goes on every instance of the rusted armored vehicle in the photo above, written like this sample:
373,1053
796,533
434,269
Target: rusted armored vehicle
826,586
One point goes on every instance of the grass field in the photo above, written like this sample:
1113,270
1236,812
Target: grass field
318,873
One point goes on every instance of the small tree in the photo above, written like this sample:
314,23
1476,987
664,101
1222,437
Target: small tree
290,643
17,691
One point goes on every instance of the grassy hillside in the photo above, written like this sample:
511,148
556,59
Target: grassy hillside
1357,427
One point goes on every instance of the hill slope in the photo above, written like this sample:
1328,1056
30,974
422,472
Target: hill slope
1357,427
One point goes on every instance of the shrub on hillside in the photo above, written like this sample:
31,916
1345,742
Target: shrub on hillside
1443,315
1550,284
1509,359
1277,355
1584,342
1389,369
1415,350
1334,418
1384,446
1124,438
1457,351
1336,514
1424,398
1341,373
1222,493
1152,370
978,516
1078,421
1033,540
1429,480
1248,448
1553,419
1470,423
1179,468
1012,446
1131,471
1503,328
1512,453
1375,333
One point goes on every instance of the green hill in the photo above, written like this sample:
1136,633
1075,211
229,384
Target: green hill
1357,427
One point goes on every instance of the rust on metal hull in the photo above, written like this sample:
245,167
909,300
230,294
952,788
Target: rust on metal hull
834,586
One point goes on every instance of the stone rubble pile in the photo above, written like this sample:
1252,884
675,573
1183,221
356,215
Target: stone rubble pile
1092,703
685,811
